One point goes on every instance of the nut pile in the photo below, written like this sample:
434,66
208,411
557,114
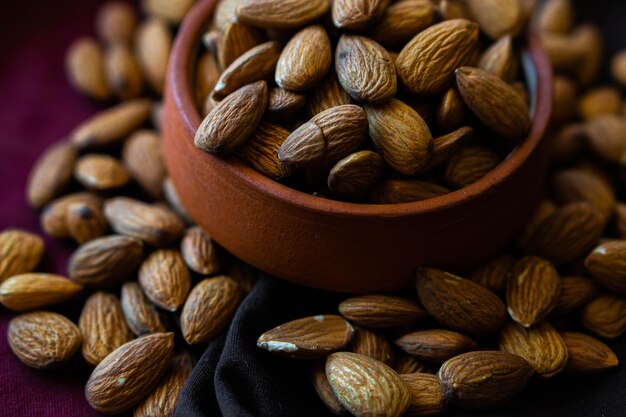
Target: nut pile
367,101
544,307
153,285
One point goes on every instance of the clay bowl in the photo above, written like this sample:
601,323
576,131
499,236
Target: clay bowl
342,246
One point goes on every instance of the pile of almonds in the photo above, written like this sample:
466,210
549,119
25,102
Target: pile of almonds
154,286
367,101
543,307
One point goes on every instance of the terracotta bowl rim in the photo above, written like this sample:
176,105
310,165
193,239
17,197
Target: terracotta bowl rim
179,81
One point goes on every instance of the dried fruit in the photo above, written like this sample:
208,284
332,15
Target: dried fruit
587,354
123,72
606,137
165,279
116,22
260,152
500,59
381,311
200,252
357,14
20,252
402,21
235,40
574,185
324,390
54,216
494,274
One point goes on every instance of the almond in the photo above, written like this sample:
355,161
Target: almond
326,138
451,112
458,303
129,373
200,252
587,354
326,95
209,308
574,185
20,252
469,165
116,23
426,64
605,316
575,293
405,191
260,152
157,226
324,390
607,264
236,39
165,279
494,274
105,261
281,14
233,120
143,159
427,396
353,177
140,315
36,290
84,65
478,380
405,364
225,12
100,172
51,174
357,14
453,9
600,101
497,18
402,21
54,216
284,104
606,138
435,345
309,337
153,43
532,291
85,222
123,72
171,11
376,346
381,311
365,386
365,69
207,74
43,340
103,328
400,134
500,59
305,60
618,67
556,16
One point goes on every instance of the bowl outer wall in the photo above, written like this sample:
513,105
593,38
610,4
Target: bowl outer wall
340,246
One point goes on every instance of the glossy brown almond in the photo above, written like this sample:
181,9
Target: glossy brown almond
427,396
105,261
260,152
143,159
281,14
478,380
233,120
85,222
435,345
500,59
605,316
587,354
574,185
381,311
540,345
123,71
153,43
129,373
171,11
353,177
305,60
116,22
357,14
451,112
495,273
494,102
209,308
51,174
532,291
326,138
567,234
376,346
100,172
599,101
103,327
365,386
111,125
401,21
400,134
324,390
20,252
309,337
156,225
575,293
326,95
31,291
200,252
165,279
284,104
54,216
458,303
497,18
405,191
607,264
469,165
43,340
140,315
427,62
84,64
365,69
235,39
162,401
606,137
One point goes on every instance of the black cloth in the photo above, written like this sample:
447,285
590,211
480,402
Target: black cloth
234,378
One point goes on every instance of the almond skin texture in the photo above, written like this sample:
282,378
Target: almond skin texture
405,191
427,397
85,222
165,279
426,64
587,355
478,380
20,252
575,293
494,274
235,39
233,120
574,185
494,102
381,311
540,345
365,70
435,345
209,308
143,159
328,137
129,373
326,95
497,18
357,14
260,152
101,172
200,252
36,290
532,291
353,177
284,104
405,364
365,386
458,303
51,174
309,337
400,134
43,340
103,327
469,165
305,60
376,346
140,315
281,14
105,261
324,390
607,264
402,21
605,316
